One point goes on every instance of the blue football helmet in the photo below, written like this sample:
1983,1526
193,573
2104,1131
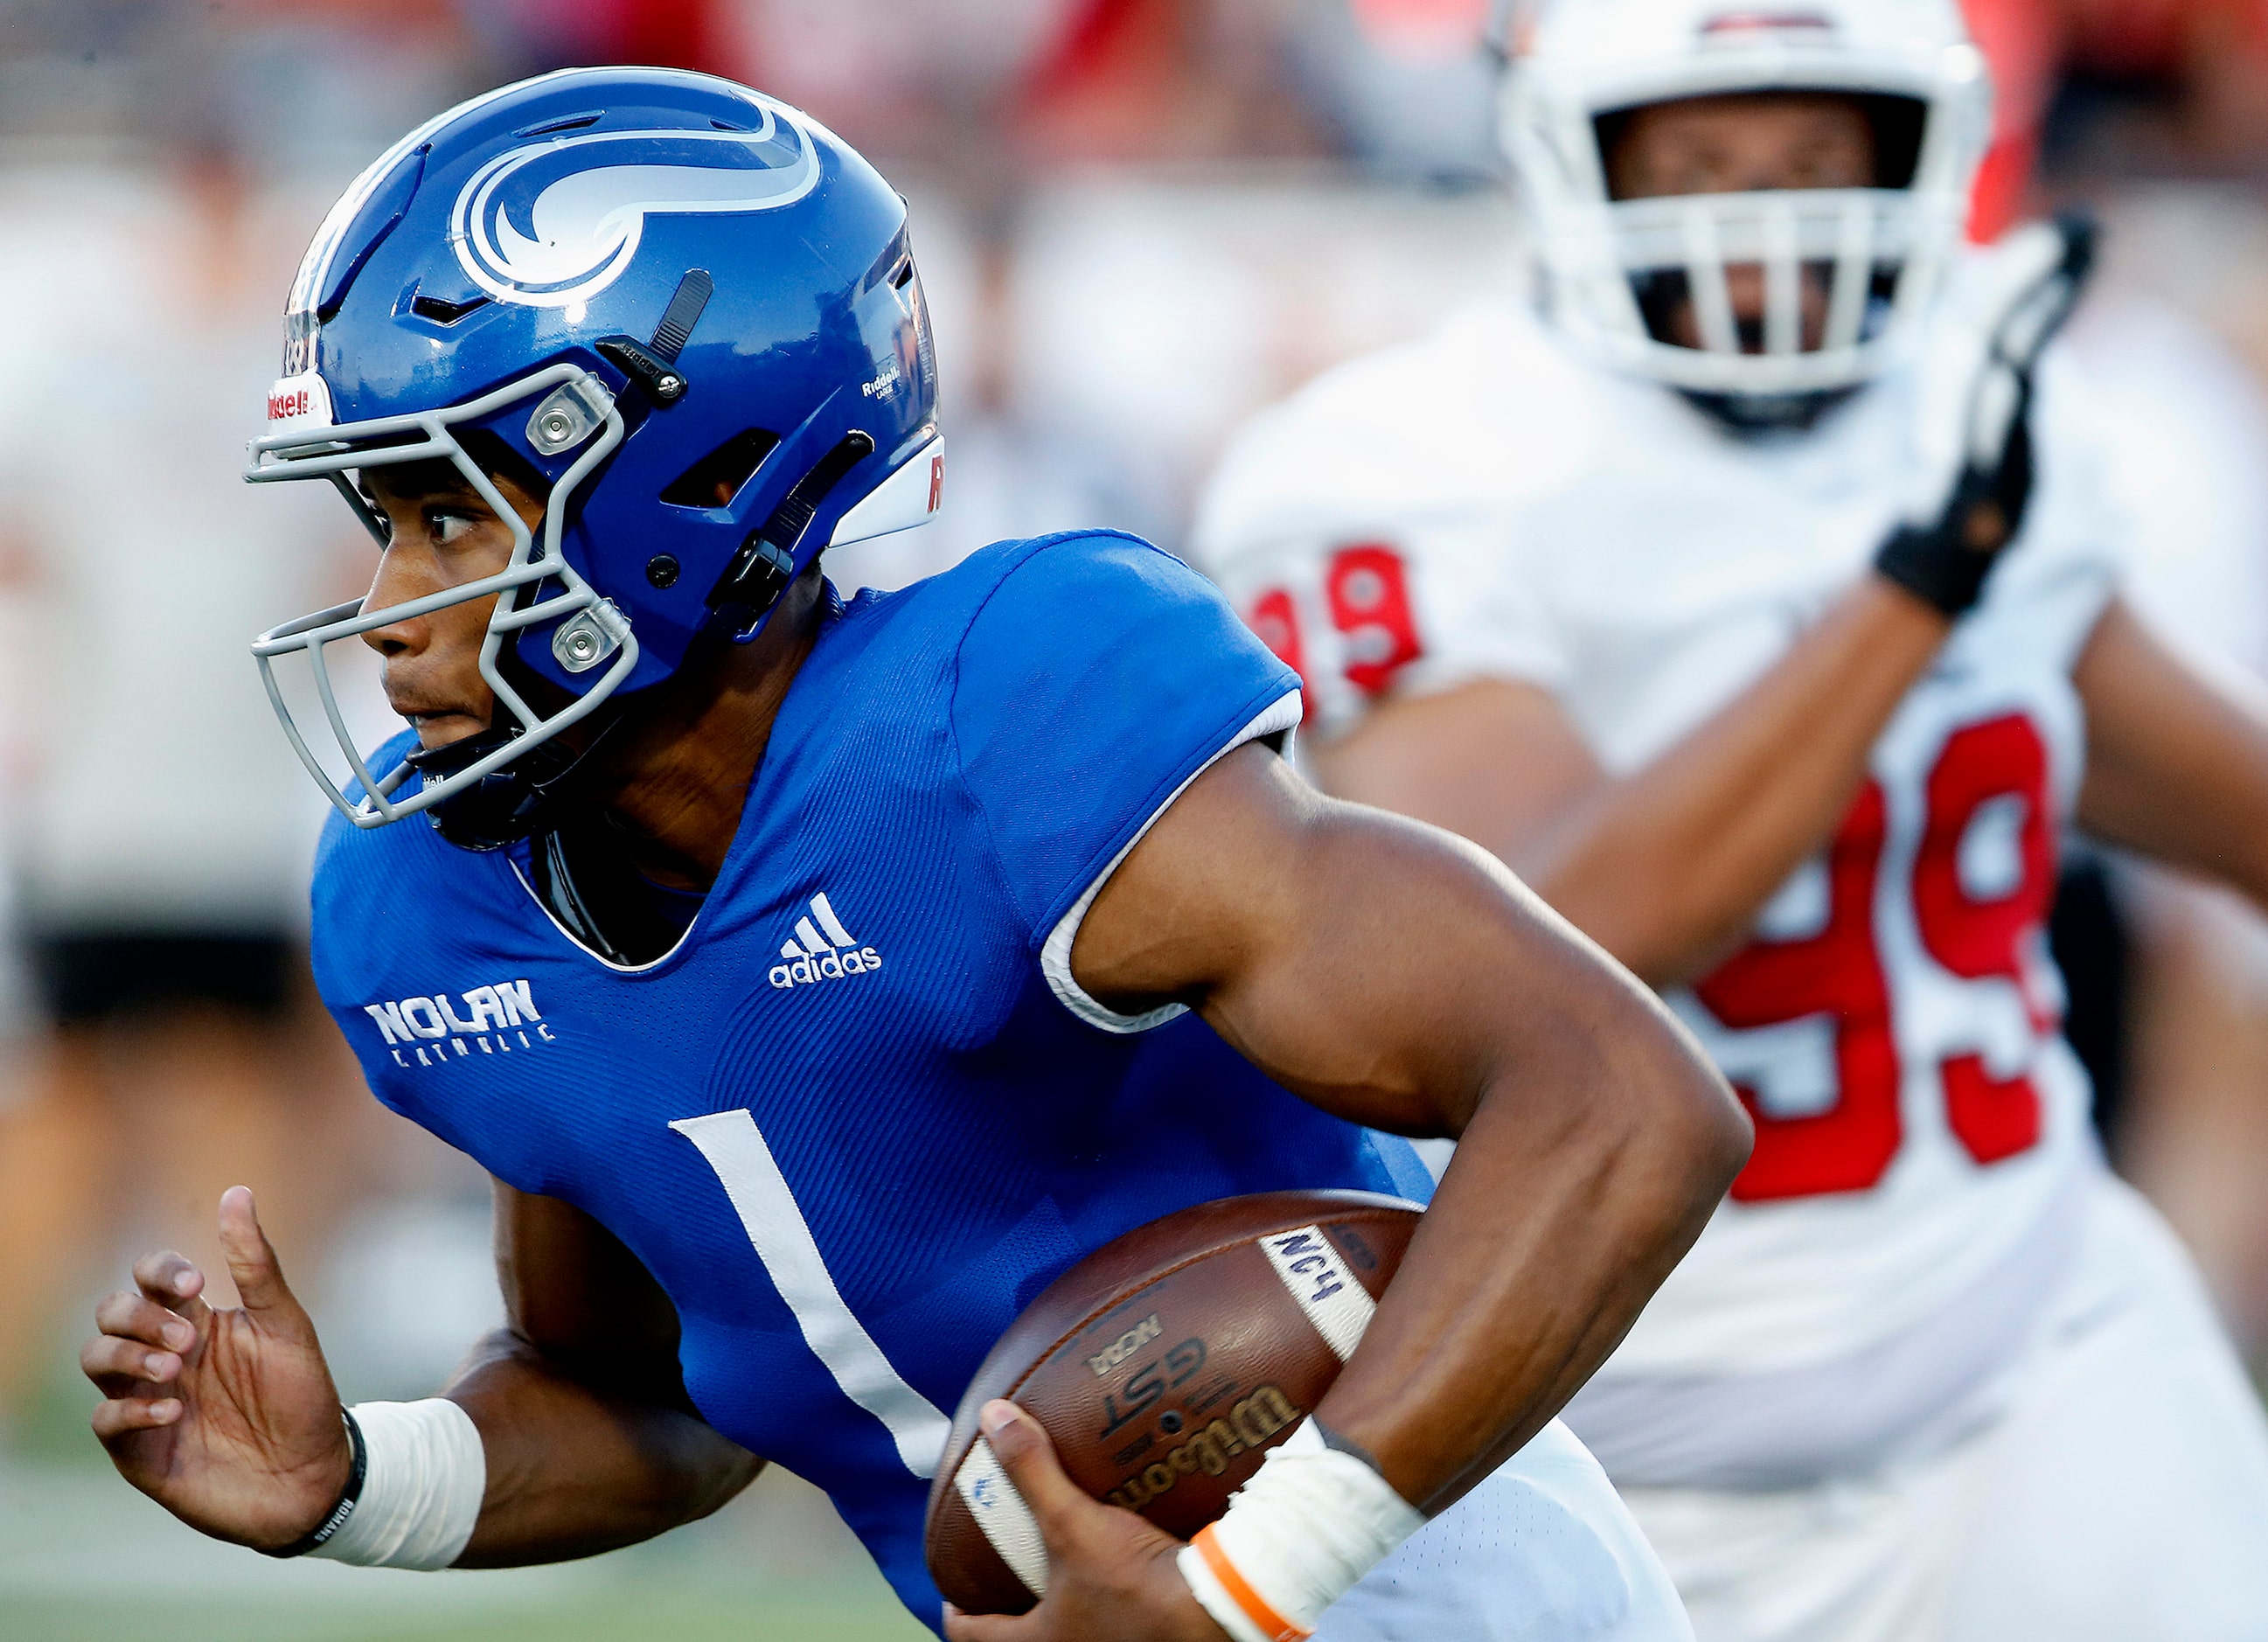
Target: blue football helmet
689,309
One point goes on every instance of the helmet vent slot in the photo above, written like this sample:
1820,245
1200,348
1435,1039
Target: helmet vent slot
441,311
718,479
571,122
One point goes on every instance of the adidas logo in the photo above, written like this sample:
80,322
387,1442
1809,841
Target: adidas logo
821,950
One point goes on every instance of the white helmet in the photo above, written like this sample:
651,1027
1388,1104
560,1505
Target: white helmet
1882,250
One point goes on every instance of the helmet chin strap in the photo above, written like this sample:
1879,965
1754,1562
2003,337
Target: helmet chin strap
506,805
1762,415
765,569
517,800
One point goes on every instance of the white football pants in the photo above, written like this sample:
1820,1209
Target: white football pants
2124,1496
1542,1551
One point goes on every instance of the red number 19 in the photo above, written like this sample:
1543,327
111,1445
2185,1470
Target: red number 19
1367,591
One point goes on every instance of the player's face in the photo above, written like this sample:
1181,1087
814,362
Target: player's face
442,535
1742,145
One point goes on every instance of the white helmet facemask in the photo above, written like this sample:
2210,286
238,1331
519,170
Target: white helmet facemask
1613,268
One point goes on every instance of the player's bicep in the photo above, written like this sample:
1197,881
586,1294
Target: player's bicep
574,1293
2177,759
1495,761
591,1441
1371,964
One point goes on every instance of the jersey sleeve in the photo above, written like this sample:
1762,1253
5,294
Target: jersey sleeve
1372,611
2182,421
1375,530
1097,680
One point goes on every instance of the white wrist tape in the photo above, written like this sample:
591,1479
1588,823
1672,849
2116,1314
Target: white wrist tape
1310,1524
420,1493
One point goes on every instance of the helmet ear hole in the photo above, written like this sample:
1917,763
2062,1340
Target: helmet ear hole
718,478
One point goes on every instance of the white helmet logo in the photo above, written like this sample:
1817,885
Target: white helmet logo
559,221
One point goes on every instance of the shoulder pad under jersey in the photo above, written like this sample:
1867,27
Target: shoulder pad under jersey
1483,416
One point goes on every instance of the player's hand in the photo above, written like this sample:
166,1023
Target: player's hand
1972,456
1111,1577
227,1419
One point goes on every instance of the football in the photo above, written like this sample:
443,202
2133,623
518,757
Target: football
1164,1366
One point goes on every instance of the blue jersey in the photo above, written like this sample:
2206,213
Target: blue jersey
861,1113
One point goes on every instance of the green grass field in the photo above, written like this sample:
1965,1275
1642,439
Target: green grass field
790,1614
85,1559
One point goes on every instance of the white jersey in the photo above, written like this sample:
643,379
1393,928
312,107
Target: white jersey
1480,505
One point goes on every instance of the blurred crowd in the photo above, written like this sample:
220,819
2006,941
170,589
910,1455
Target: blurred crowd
1140,220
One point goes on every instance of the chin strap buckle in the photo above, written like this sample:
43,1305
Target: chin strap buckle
760,572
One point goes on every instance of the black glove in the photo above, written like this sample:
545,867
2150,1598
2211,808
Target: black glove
1944,558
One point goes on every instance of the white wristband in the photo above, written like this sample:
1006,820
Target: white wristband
1310,1523
422,1488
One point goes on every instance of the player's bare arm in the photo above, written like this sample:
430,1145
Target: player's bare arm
1664,867
2177,761
1595,1139
591,1442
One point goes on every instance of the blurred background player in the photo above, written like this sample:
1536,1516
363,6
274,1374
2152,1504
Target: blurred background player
1597,593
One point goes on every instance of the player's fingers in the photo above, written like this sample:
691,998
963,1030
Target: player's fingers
960,1627
1029,1459
137,1318
120,1417
107,1358
173,1281
2047,267
253,1264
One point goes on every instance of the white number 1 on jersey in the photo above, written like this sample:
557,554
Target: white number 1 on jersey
736,1149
